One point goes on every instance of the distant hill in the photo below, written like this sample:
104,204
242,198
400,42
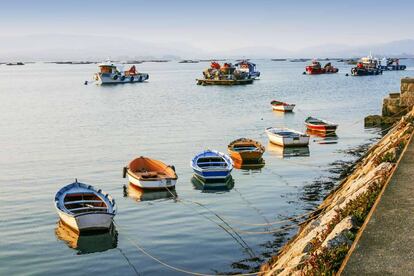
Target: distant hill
90,47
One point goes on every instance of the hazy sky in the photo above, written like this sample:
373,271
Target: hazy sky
216,25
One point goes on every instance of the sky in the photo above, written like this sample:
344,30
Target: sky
213,25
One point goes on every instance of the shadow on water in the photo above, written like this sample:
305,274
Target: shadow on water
249,167
212,187
139,194
87,243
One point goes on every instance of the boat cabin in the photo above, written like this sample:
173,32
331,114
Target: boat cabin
107,68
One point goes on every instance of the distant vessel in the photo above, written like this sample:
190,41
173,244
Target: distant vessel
227,74
316,68
299,60
85,208
188,61
16,63
287,137
248,67
367,66
111,74
211,165
391,64
278,59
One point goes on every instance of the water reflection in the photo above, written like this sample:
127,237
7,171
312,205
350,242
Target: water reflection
249,166
212,187
286,152
140,194
323,137
88,242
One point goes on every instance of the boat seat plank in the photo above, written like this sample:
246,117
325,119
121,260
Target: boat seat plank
83,201
86,208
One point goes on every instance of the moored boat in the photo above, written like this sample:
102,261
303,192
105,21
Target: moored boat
316,68
226,74
85,208
320,125
248,67
148,173
282,106
211,165
391,64
246,150
109,73
286,137
367,66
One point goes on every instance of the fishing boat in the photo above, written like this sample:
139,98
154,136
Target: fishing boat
286,137
320,125
109,73
281,106
226,74
211,165
367,66
148,173
316,68
248,67
85,208
246,150
391,64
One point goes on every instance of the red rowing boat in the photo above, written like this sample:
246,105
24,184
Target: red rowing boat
320,125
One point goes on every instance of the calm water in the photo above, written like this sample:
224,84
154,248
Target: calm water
54,128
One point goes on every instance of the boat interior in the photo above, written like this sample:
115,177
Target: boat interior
78,203
211,162
145,168
286,133
247,147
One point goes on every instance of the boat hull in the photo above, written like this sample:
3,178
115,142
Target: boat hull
300,141
224,82
365,72
156,184
246,157
321,128
284,108
212,175
111,79
87,221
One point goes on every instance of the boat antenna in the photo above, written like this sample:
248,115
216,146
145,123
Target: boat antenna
76,180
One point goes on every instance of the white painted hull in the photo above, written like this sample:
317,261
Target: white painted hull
288,141
152,184
284,108
87,222
109,79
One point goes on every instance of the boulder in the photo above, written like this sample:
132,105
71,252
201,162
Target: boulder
338,235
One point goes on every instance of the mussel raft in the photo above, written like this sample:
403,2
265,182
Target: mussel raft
227,74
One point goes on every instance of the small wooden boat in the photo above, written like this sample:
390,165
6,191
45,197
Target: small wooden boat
246,150
281,106
320,125
211,165
287,137
148,173
84,208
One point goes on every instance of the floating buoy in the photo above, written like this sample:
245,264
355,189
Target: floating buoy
346,75
124,172
304,73
85,83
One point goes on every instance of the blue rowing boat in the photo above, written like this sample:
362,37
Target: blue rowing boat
211,165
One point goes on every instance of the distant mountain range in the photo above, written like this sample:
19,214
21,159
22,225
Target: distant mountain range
89,47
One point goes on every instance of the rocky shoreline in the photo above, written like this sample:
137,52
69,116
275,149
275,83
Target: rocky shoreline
324,239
